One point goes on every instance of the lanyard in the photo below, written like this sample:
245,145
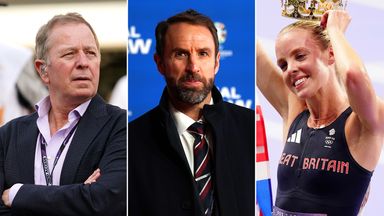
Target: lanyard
44,158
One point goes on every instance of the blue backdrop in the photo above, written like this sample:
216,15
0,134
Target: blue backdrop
236,24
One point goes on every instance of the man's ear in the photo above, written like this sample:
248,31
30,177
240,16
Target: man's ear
159,63
217,63
41,67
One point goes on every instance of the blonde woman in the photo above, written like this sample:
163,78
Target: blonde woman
332,118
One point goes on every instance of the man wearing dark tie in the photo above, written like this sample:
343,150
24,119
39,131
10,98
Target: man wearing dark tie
69,157
193,154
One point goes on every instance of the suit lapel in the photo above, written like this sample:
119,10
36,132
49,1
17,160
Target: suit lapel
175,142
26,147
225,185
89,126
169,128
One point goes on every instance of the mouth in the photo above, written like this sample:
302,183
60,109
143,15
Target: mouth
299,82
81,79
191,81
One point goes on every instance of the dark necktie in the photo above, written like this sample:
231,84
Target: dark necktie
202,166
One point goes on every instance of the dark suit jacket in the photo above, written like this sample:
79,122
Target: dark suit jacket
160,181
99,142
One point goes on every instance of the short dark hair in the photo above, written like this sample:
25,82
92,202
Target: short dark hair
189,16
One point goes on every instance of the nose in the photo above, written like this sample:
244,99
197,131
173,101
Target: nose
192,65
291,68
82,60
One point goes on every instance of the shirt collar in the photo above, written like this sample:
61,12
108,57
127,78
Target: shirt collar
182,121
44,105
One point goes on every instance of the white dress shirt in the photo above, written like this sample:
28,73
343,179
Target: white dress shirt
182,122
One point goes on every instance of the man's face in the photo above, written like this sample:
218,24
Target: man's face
73,68
189,63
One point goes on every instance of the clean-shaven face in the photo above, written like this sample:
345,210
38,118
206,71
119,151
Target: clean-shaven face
73,63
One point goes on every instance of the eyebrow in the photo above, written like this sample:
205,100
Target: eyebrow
178,49
297,50
206,49
73,48
293,52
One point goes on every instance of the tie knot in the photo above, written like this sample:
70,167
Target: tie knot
197,127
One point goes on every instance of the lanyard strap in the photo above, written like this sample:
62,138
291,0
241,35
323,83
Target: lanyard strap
44,158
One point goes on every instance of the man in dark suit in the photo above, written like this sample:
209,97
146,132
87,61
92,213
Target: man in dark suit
69,157
167,173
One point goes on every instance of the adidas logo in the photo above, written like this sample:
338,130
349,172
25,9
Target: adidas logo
295,137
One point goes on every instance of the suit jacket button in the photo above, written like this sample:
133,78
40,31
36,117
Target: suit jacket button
187,205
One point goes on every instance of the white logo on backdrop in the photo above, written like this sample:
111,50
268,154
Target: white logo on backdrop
136,44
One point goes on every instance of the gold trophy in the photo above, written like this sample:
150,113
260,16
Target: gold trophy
310,9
